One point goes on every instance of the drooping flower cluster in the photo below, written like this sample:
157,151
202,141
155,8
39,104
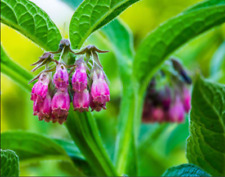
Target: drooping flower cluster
167,103
52,96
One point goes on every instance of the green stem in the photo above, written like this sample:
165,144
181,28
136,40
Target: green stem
83,130
129,121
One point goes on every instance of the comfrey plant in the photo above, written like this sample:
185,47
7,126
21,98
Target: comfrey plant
73,86
51,96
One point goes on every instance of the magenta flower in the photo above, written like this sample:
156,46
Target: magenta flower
61,77
99,89
45,109
60,106
186,100
81,101
40,88
176,112
79,78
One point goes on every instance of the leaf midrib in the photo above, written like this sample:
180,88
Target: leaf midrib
23,32
208,102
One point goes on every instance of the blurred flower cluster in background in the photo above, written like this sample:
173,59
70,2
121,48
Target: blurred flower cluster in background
199,55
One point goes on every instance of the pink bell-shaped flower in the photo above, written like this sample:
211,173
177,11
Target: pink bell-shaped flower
40,88
186,100
61,77
99,89
176,112
79,78
81,101
60,106
45,109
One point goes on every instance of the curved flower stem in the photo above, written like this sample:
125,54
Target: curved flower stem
83,130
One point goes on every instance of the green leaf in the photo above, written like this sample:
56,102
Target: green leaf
92,15
171,35
205,4
9,163
70,148
86,136
31,21
32,147
121,41
15,71
205,145
185,170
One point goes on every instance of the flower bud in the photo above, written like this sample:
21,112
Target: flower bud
40,88
81,101
176,112
186,100
60,106
61,77
79,78
45,109
99,89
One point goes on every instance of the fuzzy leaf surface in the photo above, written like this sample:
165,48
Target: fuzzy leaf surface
205,145
185,170
9,163
30,20
31,146
92,15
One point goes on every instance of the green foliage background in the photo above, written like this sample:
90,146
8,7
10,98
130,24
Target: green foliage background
160,152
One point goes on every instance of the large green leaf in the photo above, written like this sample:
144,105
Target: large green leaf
93,14
205,145
31,21
9,163
121,41
205,4
171,35
32,147
15,71
185,170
